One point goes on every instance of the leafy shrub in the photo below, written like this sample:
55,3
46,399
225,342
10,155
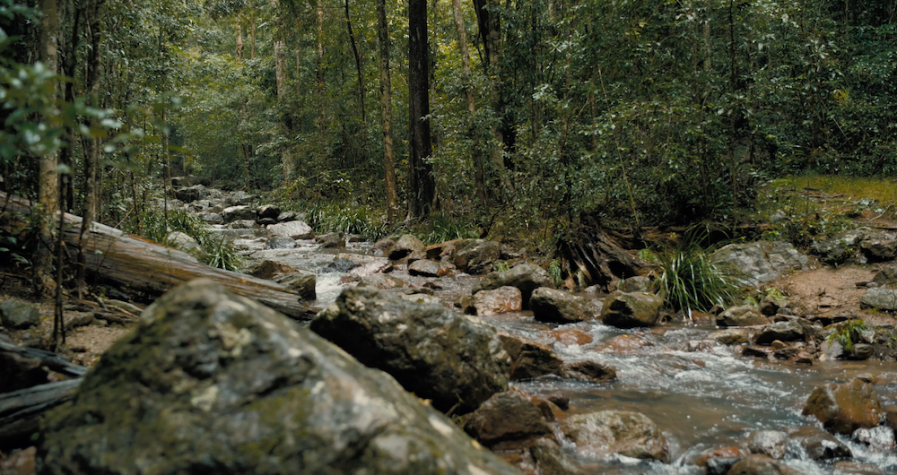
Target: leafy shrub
554,270
848,334
220,253
349,219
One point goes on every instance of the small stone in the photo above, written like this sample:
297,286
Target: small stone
18,314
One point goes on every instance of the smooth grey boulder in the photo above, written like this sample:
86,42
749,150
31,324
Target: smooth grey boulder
782,331
406,246
184,242
741,316
15,313
616,432
211,218
557,306
631,310
756,263
292,230
238,213
475,256
211,382
882,299
525,277
435,353
280,242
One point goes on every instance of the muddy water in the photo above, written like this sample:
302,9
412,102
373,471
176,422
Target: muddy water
706,398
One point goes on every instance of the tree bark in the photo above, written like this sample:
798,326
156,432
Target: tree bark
386,104
319,64
489,23
238,54
422,184
479,167
48,193
357,63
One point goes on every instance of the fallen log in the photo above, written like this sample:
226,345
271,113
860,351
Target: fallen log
33,357
148,266
21,411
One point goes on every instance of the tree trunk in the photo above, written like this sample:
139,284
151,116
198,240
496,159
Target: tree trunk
490,31
252,52
48,193
386,103
238,54
422,184
319,64
357,63
280,74
479,167
92,159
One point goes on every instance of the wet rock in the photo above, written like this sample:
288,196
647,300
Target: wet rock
840,247
331,240
638,309
238,388
428,268
242,224
433,352
559,400
880,298
382,247
768,442
238,213
441,250
498,301
382,282
18,314
267,212
844,408
759,262
589,371
267,269
551,460
757,352
211,218
879,250
634,284
529,359
420,298
292,230
340,265
879,439
856,468
742,316
303,283
886,277
475,256
525,277
770,306
571,337
287,216
761,465
818,444
624,344
719,460
279,242
616,432
557,306
731,336
240,198
890,413
406,246
507,420
862,351
782,331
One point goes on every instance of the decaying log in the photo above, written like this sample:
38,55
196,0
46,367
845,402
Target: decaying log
21,411
148,266
39,358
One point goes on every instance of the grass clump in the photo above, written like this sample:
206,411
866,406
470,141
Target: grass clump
349,219
848,334
217,251
691,281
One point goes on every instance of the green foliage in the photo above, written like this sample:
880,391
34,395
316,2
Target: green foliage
446,228
349,219
554,270
848,333
220,253
690,280
502,266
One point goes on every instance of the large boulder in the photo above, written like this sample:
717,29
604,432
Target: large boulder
552,305
782,331
211,382
603,433
438,354
632,310
191,194
475,256
406,246
844,408
15,313
756,263
525,277
238,213
882,299
292,230
507,420
498,301
741,316
819,444
840,247
430,268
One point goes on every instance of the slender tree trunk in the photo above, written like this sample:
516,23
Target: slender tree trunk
238,54
490,31
319,64
92,158
48,182
479,167
386,104
422,184
280,74
357,63
252,52
732,138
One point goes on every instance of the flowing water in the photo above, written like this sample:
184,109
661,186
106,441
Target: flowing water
701,394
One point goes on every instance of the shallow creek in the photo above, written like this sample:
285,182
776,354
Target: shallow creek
701,399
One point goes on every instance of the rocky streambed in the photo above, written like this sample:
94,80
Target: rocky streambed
548,380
